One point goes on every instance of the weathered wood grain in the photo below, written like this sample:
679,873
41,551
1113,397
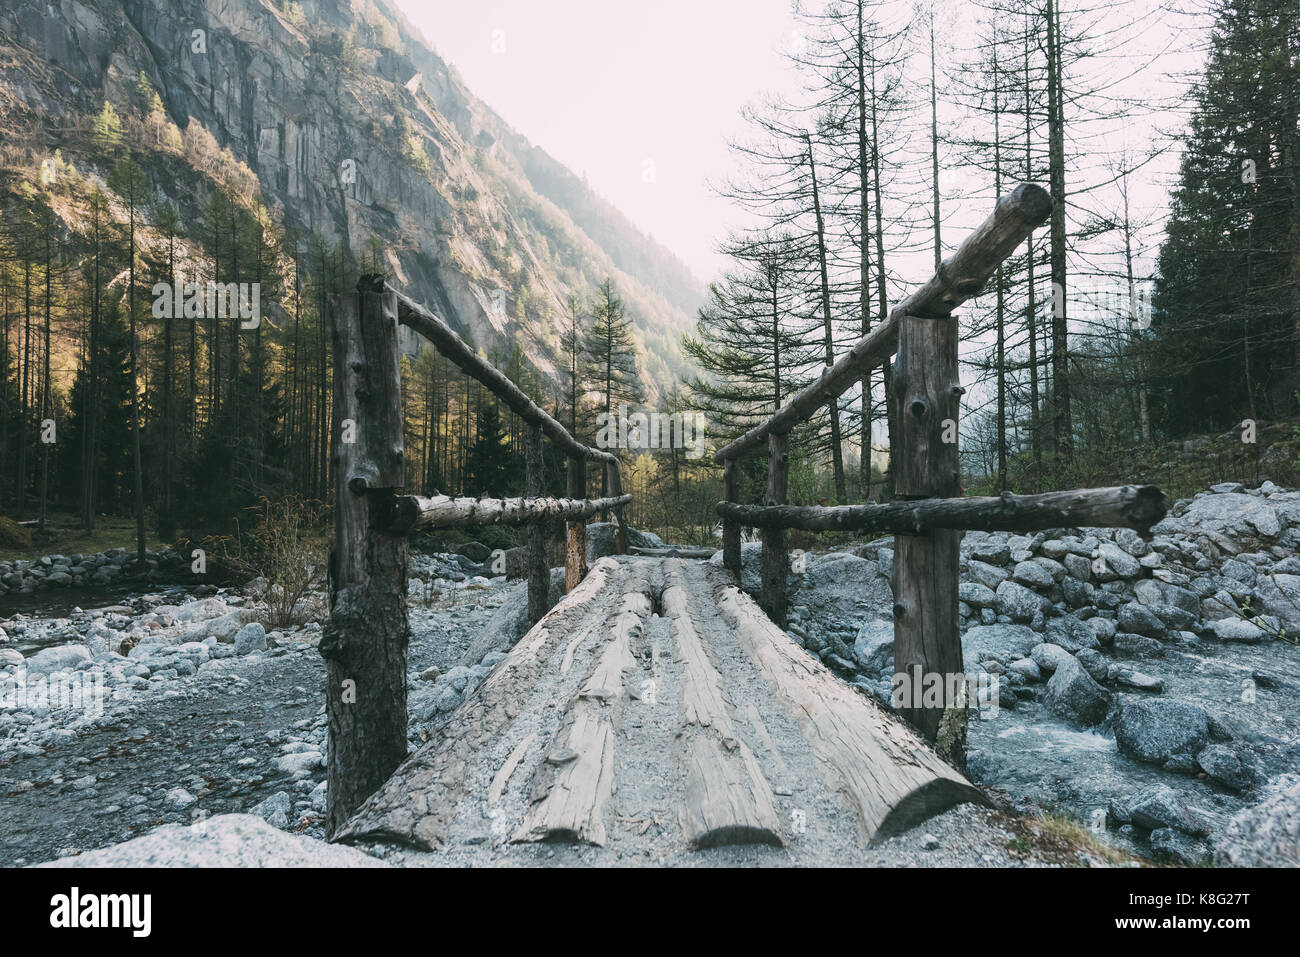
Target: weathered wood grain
885,770
727,798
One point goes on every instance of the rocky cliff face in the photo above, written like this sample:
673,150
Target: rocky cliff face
359,133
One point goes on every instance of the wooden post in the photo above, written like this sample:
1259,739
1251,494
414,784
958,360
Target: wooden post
731,529
927,644
364,640
575,544
539,572
776,560
614,484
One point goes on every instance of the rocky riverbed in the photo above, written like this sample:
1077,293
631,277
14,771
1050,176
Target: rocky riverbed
1149,689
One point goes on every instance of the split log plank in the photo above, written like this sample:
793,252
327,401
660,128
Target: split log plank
1123,506
418,803
673,552
881,766
728,800
574,783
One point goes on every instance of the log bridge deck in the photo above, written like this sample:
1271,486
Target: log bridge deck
657,705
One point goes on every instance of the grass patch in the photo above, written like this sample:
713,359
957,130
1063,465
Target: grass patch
63,535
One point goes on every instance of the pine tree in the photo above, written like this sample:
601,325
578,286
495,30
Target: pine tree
1227,296
610,351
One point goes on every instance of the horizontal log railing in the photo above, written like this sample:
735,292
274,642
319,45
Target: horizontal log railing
445,339
1132,506
412,512
414,316
958,279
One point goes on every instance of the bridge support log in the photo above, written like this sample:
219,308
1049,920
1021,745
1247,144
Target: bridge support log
614,483
365,639
730,527
575,533
776,558
539,572
927,643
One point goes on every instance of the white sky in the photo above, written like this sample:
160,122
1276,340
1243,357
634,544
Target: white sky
607,85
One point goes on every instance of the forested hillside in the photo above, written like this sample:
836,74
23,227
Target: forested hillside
282,147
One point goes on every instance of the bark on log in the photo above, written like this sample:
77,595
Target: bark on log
364,641
575,533
927,641
959,278
411,512
731,529
447,342
776,558
1122,506
539,571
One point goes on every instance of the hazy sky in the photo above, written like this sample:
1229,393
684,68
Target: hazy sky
642,96
608,86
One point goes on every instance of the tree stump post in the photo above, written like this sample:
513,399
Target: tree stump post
731,529
776,559
614,482
927,643
539,572
575,536
365,639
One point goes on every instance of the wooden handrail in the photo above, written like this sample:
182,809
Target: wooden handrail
961,277
451,345
411,512
1122,506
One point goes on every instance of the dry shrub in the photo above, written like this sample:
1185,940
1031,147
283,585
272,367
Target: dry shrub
287,546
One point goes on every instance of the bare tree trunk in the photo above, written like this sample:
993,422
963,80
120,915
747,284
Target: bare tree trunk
1062,425
837,455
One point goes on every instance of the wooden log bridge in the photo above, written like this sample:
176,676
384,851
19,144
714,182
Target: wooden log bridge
654,708
657,706
920,334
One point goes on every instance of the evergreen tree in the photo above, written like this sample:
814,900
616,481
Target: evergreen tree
1227,299
610,351
491,468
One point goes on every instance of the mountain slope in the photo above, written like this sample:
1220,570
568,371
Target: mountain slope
355,130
